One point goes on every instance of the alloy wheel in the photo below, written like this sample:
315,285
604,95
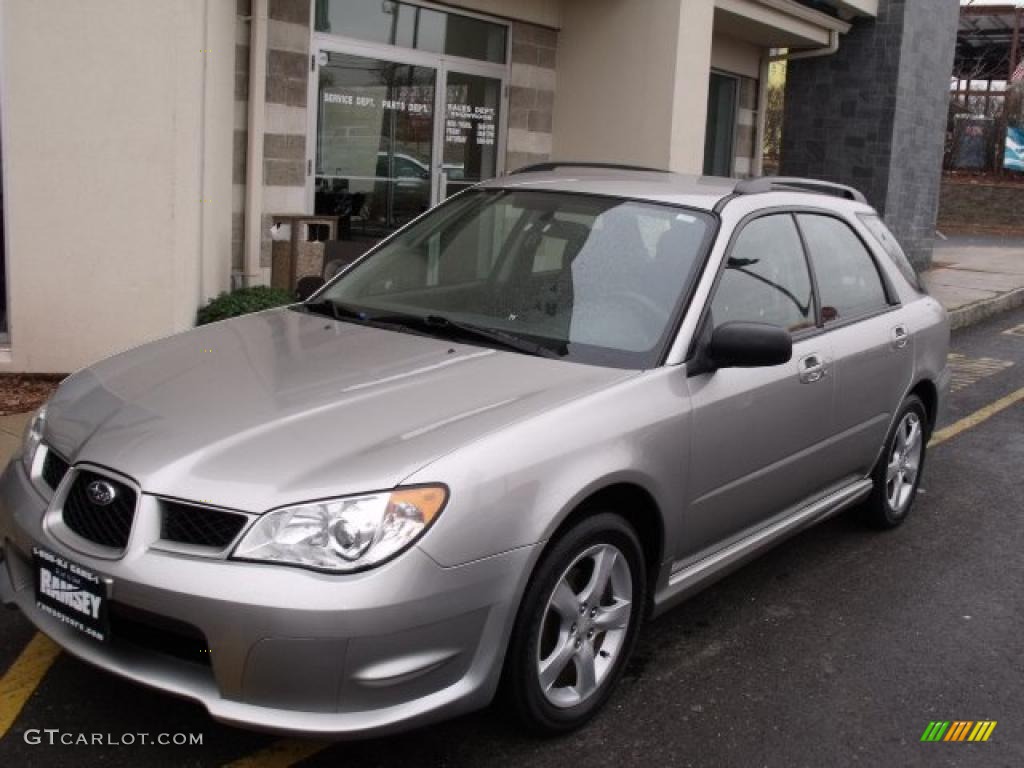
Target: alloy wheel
585,625
904,462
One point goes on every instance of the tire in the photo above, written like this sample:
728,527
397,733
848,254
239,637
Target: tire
897,475
559,627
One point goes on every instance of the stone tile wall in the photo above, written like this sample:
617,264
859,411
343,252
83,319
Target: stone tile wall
284,143
531,95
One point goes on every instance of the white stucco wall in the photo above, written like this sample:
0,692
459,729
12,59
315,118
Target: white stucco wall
737,57
632,82
116,119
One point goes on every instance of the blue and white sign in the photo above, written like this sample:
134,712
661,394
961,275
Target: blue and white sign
1013,160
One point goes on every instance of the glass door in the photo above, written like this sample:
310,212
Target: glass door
723,94
375,136
472,111
395,132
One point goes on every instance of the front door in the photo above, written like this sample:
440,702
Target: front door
758,433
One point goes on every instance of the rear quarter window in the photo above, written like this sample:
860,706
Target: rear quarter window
892,247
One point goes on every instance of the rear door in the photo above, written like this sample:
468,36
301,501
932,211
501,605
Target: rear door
869,337
758,432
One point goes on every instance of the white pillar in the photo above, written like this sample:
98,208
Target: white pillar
633,82
694,33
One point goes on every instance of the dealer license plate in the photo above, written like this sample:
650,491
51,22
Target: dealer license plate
71,594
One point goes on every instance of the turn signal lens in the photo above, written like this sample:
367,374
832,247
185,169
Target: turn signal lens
428,500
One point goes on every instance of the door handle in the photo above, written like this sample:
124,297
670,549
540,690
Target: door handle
813,367
900,337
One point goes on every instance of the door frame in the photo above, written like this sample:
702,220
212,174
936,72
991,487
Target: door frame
440,63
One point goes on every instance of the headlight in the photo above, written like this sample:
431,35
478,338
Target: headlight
33,437
347,534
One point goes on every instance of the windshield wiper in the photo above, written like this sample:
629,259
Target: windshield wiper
455,328
334,309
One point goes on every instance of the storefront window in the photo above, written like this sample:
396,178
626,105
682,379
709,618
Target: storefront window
410,26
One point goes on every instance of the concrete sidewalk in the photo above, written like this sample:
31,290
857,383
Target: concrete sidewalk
11,430
977,277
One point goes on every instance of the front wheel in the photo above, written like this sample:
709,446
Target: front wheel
577,625
898,473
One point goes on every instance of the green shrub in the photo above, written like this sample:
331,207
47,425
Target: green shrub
242,302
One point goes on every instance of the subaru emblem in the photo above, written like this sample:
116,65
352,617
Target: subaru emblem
100,492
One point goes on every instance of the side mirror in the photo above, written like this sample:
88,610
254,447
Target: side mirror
307,286
748,345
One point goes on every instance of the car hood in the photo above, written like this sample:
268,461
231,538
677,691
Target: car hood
284,406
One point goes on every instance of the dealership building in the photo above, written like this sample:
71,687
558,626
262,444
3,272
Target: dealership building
148,146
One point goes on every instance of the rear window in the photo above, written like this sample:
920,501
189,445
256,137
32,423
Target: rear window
892,247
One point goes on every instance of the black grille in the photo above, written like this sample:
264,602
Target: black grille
202,526
157,633
54,469
107,525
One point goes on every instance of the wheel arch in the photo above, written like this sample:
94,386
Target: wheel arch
929,394
637,506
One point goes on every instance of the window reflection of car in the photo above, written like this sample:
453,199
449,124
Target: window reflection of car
401,191
398,191
404,169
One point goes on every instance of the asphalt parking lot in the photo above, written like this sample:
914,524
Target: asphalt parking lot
837,648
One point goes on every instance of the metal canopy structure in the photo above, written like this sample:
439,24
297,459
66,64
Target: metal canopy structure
988,42
986,88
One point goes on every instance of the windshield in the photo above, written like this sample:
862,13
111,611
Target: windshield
589,279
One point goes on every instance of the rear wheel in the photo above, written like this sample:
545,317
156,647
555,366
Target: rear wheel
577,625
898,472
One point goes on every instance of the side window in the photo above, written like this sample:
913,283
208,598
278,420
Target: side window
848,281
766,279
892,247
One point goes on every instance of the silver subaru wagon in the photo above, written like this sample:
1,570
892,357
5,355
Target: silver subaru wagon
480,457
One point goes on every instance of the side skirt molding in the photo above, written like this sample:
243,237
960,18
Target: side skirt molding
686,580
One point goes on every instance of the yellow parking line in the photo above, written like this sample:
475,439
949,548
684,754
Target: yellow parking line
280,754
976,418
24,676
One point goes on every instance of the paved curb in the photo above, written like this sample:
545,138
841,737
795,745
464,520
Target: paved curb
986,308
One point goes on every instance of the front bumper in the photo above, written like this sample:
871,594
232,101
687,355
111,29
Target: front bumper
289,649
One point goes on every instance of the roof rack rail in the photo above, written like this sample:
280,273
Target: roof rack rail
550,166
796,184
